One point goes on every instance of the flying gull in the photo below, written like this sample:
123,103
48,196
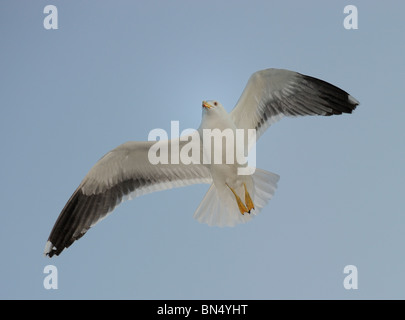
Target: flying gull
127,171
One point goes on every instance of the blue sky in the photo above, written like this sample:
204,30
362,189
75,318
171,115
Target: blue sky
115,70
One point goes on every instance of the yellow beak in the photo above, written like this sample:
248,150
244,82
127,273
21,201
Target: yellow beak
206,105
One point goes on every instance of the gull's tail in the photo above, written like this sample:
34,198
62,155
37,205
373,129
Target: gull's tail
222,211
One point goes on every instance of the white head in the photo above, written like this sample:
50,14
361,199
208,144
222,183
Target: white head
214,115
213,107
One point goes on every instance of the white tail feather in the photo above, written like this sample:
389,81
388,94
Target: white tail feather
216,210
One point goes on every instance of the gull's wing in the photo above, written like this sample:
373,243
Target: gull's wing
122,173
273,93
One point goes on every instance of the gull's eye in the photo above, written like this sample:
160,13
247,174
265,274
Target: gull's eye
215,103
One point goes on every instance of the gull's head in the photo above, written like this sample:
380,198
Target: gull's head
213,115
212,105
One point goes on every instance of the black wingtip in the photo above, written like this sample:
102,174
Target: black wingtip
336,99
83,211
65,226
50,250
353,101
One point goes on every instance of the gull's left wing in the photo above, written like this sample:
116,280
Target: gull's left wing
274,93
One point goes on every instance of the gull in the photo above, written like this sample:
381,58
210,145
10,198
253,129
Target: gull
127,171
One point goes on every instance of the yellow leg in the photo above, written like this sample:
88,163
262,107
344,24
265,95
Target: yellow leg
241,206
248,200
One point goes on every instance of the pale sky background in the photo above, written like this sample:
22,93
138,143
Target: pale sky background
115,70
